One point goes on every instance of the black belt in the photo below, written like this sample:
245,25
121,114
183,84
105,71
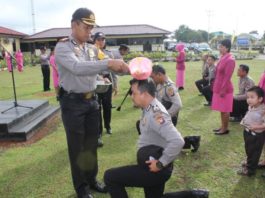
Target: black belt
87,95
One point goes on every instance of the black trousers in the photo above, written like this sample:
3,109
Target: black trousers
45,69
105,102
253,148
240,108
208,93
117,179
200,84
81,122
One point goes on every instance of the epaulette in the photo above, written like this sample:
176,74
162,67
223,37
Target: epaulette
63,40
155,108
167,84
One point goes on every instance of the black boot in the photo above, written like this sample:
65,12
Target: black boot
187,141
200,193
195,142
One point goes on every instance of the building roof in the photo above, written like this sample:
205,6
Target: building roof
9,32
117,30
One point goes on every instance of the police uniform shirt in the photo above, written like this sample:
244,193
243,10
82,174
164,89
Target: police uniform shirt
254,116
44,59
168,92
78,66
157,129
244,84
116,54
211,73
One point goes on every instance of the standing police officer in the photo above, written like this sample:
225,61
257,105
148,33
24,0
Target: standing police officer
105,99
78,68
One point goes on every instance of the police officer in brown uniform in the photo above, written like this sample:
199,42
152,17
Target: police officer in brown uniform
78,68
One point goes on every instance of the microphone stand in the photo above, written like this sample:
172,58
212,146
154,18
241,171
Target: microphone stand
14,85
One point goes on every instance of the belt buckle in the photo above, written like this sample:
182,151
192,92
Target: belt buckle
88,95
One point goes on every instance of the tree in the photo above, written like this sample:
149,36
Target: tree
185,34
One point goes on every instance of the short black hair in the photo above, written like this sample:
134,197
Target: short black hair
123,47
227,43
244,68
212,57
257,90
158,69
146,85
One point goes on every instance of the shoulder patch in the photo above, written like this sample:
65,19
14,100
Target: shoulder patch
159,118
63,40
170,91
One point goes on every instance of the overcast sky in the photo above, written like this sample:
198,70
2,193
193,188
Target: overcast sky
213,15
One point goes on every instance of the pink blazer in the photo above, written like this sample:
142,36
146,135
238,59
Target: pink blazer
262,83
181,61
19,58
223,75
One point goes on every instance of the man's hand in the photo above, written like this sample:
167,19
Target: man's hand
152,165
118,65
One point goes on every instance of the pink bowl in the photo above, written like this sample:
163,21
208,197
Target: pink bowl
140,68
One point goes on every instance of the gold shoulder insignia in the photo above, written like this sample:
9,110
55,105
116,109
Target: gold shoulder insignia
170,91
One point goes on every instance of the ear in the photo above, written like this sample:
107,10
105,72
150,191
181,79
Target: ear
260,99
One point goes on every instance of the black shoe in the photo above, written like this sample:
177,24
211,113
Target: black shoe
200,193
100,142
195,143
109,131
84,193
181,88
222,133
102,188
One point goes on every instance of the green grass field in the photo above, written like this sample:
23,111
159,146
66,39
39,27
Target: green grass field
42,169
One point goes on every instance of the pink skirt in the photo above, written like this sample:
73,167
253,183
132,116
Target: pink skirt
222,104
180,77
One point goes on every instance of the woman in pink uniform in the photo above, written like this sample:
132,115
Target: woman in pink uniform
223,88
19,59
180,59
8,61
55,75
262,86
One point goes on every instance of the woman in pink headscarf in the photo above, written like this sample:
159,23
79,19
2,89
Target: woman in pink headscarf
180,59
8,61
19,59
223,88
262,86
55,74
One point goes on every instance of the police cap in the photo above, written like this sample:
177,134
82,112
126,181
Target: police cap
99,35
85,15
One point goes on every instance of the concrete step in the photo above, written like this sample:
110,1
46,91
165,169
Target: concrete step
18,114
28,127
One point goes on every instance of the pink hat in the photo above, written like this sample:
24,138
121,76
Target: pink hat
180,47
140,68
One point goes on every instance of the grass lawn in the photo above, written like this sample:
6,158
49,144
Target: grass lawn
42,169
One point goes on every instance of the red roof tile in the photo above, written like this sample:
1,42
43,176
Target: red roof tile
7,31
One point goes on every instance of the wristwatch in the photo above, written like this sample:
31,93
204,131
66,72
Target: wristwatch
159,165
